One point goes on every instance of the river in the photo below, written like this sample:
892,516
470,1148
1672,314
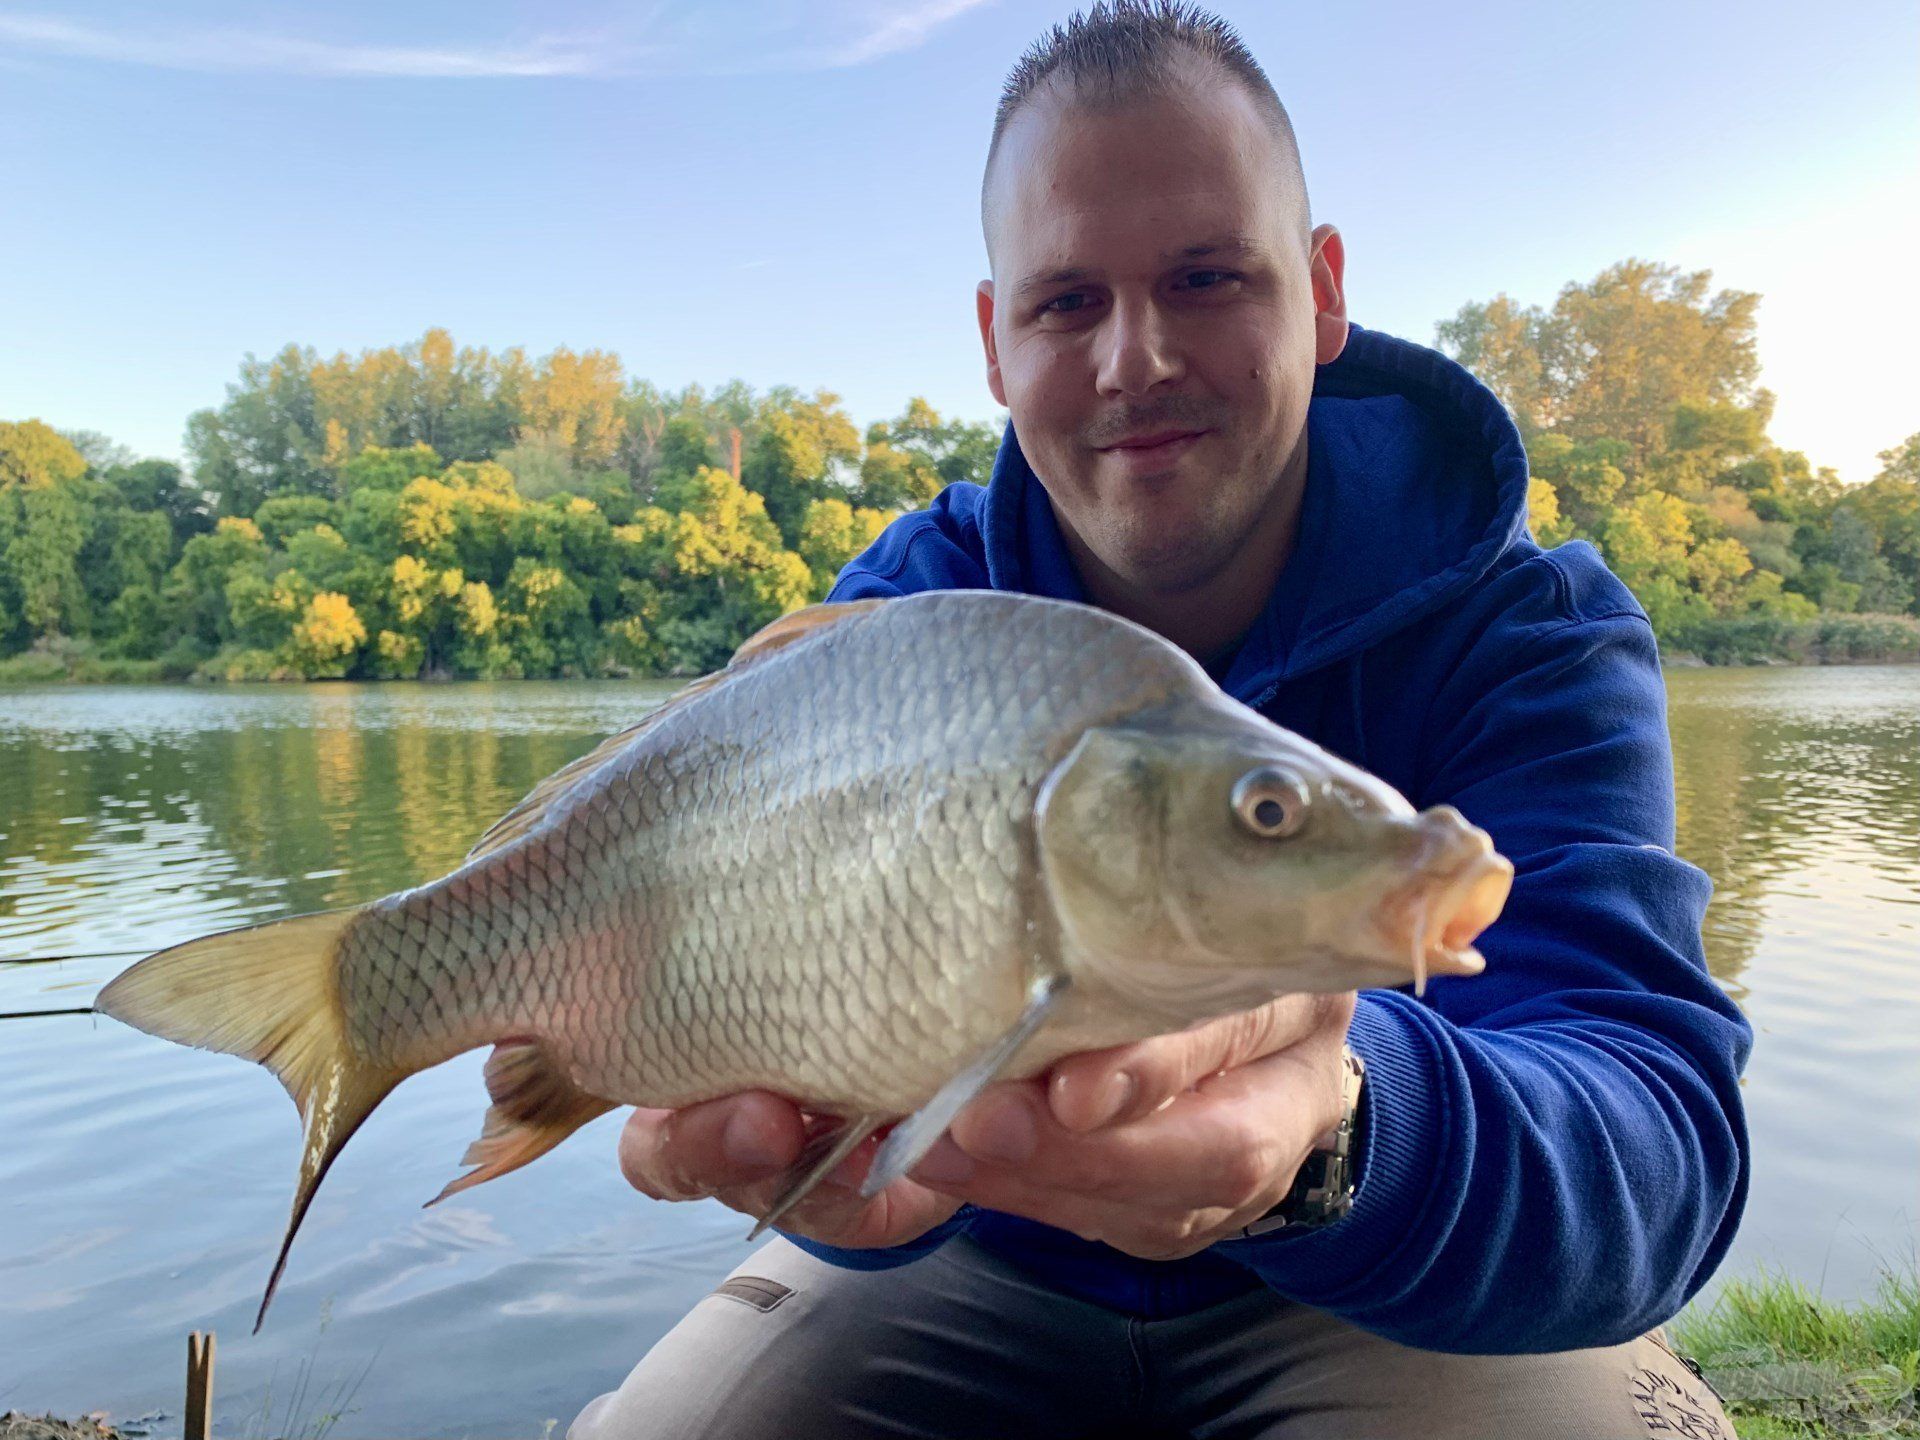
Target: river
143,1187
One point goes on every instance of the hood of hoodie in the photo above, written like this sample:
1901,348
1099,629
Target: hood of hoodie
1416,485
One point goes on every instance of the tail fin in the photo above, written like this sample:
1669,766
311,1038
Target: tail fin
265,992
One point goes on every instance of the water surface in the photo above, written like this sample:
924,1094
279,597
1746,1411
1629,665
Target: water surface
143,1187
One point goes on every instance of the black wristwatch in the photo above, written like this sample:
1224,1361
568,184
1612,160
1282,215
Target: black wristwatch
1323,1189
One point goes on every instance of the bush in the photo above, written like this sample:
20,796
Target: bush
238,666
1829,640
32,667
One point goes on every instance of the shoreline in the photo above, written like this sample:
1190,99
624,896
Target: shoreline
130,673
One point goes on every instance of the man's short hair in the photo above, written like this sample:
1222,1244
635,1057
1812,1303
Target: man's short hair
1124,50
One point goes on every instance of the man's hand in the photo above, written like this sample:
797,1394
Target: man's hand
1158,1148
737,1149
1163,1147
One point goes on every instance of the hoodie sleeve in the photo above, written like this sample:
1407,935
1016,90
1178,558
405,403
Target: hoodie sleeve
1555,1152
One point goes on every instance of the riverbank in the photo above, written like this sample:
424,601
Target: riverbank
1761,639
1736,640
1789,1364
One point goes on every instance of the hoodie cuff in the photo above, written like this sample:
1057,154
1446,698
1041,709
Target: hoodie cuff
890,1256
1400,1163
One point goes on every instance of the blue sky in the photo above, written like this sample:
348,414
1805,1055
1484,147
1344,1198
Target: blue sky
786,190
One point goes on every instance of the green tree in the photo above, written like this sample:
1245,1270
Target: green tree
1889,505
911,459
158,485
803,448
45,516
831,533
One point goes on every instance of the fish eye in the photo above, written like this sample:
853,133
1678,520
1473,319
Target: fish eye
1270,802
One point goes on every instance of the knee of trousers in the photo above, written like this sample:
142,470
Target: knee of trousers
743,1362
790,1345
1336,1381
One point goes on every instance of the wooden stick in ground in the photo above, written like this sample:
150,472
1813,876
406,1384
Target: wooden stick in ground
200,1386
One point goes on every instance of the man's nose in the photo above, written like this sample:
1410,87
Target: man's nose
1137,349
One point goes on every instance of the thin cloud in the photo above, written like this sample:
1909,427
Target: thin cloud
868,37
241,50
903,31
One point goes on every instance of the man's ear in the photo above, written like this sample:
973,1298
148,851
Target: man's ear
1327,265
983,303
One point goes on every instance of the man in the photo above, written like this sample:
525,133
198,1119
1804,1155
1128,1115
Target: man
1548,1158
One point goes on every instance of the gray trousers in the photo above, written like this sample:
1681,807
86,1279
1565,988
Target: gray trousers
963,1345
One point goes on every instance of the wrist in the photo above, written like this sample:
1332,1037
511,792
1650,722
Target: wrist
1324,1186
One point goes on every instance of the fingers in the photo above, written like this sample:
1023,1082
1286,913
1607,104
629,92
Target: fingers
738,1149
1160,1187
1128,1082
1199,1150
836,1215
698,1150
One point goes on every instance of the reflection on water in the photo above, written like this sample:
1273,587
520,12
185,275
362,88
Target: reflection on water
143,1187
1800,783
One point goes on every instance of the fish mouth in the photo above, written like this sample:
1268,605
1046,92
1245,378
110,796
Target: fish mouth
1435,918
1471,901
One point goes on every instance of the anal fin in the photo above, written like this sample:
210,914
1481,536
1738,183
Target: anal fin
535,1107
817,1160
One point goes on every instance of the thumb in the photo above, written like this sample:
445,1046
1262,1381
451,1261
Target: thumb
691,1152
1129,1082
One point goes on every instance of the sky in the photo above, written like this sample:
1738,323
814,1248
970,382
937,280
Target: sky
786,191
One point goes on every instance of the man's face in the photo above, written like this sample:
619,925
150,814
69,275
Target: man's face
1149,339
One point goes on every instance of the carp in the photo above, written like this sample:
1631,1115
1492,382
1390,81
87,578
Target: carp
895,850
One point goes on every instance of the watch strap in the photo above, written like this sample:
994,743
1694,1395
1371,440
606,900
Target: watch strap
1323,1188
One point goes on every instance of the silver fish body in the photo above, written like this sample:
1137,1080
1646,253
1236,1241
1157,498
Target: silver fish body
819,878
895,850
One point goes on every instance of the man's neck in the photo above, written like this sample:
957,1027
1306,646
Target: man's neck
1207,620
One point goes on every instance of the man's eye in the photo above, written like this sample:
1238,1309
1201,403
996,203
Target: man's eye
1047,309
1223,274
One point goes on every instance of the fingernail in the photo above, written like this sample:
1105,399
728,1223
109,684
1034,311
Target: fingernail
748,1145
945,1164
1004,1134
1115,1096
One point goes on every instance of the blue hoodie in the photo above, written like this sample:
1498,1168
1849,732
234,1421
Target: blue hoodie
1555,1152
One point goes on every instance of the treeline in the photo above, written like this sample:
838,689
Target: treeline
435,510
430,510
1637,394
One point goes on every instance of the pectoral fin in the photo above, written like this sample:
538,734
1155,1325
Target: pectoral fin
535,1107
817,1161
914,1136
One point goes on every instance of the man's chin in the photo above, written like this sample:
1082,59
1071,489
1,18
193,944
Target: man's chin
1162,542
1162,565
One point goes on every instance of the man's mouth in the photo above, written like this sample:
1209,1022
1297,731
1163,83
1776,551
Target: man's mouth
1154,440
1151,450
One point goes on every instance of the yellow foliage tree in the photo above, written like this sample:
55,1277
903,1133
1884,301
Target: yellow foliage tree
576,400
241,526
327,637
35,456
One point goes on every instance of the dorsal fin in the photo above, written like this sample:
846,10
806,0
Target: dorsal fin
797,625
763,642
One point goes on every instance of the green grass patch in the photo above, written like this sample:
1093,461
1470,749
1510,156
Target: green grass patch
1790,1364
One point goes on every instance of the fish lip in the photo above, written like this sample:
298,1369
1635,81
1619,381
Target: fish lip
1450,909
1471,901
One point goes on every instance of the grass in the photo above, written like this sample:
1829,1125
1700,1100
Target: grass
1791,1365
310,1414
